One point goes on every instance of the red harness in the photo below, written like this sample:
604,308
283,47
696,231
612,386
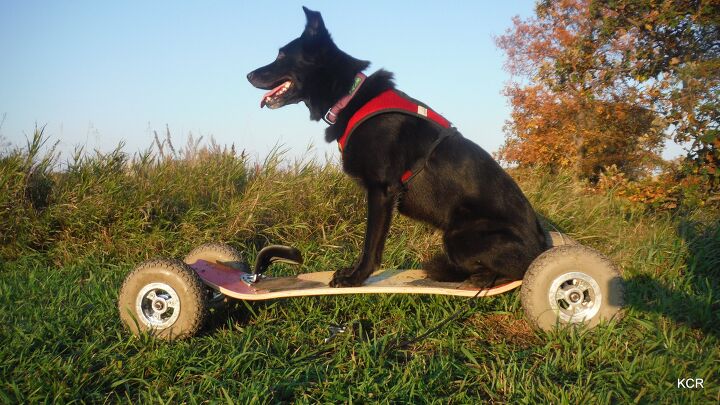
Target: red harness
397,102
390,101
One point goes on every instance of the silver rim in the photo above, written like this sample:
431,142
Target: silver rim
575,297
157,305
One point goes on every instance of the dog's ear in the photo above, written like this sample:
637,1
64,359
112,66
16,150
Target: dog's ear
315,26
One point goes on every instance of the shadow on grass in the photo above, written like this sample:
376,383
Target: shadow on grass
234,312
693,298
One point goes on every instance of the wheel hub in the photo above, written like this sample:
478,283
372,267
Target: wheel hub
575,297
157,305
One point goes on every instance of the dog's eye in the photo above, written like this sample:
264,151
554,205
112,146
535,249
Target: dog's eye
280,55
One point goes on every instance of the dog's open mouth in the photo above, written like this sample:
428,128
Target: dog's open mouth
273,98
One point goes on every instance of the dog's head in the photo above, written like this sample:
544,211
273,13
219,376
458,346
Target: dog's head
309,68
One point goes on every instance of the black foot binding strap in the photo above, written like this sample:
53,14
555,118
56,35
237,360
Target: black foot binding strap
276,253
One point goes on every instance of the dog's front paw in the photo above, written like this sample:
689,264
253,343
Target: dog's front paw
347,277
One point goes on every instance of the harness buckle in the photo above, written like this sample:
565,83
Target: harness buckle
327,117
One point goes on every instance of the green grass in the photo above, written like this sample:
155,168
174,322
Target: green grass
68,239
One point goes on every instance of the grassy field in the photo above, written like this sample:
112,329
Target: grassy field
68,239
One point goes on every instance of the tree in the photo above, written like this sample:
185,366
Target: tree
675,54
605,82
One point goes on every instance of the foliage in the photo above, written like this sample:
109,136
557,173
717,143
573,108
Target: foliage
602,83
571,133
671,190
673,53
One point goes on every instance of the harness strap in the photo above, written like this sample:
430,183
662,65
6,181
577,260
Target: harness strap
410,174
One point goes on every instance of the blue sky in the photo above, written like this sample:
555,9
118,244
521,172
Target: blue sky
97,73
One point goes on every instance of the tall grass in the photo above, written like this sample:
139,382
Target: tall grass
68,237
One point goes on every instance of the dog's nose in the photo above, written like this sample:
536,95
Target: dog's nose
250,76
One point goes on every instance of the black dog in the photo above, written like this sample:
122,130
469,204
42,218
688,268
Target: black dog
405,159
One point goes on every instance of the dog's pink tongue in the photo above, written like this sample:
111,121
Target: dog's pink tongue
267,96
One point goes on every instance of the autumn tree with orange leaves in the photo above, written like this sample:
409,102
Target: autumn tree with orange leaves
602,83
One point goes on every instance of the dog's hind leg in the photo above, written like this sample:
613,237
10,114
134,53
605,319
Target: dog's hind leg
488,257
439,268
